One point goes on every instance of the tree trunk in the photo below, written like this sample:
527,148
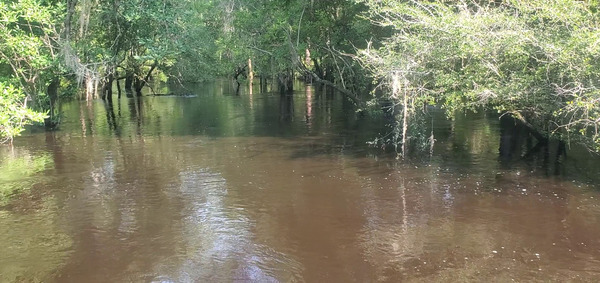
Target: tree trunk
128,80
109,90
118,86
68,19
137,86
404,121
141,83
250,71
286,82
273,74
263,84
318,71
328,76
532,130
52,90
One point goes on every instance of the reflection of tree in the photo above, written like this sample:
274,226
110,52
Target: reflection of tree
136,113
18,169
422,224
110,116
217,236
518,145
286,108
309,107
33,246
121,212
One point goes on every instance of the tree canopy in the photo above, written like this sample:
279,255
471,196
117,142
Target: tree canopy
534,60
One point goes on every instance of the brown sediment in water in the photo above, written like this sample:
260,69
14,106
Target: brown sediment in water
209,189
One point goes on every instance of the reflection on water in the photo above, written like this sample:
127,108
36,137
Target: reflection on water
271,188
219,235
18,169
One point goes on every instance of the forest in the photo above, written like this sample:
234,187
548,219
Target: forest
299,140
535,61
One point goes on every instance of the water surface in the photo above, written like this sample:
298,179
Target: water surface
268,188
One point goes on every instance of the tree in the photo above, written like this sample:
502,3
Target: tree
135,37
14,113
533,60
27,62
316,40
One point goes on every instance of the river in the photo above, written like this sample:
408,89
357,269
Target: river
258,187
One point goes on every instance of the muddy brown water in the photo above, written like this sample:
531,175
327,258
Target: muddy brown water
263,188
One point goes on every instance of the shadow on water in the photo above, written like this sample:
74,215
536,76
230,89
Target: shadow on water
485,142
286,108
330,125
518,146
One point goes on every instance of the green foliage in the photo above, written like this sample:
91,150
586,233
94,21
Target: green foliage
27,62
276,35
14,113
537,60
199,48
26,31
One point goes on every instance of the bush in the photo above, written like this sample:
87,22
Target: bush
14,114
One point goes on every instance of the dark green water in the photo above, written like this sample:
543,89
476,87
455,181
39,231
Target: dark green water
264,188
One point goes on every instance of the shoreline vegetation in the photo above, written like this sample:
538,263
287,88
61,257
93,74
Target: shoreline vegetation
535,61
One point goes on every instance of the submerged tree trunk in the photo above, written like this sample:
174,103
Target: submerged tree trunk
285,82
238,72
118,85
52,121
109,87
263,84
129,77
128,80
107,90
138,85
532,130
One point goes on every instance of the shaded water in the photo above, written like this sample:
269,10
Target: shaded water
264,188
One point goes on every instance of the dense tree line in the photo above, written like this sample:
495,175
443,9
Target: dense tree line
536,61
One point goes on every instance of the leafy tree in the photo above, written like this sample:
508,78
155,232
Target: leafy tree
316,40
27,63
137,37
14,113
533,60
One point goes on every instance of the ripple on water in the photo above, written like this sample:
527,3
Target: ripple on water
217,237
